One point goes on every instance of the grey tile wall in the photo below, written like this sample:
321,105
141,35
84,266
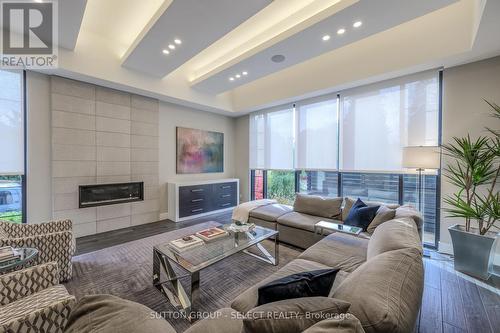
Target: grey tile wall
100,135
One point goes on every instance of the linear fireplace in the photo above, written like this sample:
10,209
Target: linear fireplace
110,194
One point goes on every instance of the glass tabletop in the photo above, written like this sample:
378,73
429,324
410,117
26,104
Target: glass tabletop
211,252
25,254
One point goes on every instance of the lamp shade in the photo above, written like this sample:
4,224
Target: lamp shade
421,157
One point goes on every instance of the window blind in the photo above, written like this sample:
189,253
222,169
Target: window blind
317,134
272,139
11,123
378,120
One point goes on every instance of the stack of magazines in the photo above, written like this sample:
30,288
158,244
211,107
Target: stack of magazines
211,234
186,243
7,254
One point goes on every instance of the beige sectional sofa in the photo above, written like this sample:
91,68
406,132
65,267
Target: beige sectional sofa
379,283
382,278
296,223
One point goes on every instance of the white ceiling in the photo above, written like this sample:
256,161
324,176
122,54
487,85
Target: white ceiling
376,16
118,43
197,24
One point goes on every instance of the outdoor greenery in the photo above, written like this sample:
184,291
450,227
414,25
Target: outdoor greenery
281,186
15,217
475,171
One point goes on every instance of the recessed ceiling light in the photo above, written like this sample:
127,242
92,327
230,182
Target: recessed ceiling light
278,58
177,41
357,24
231,79
326,37
245,73
341,31
172,47
166,52
238,76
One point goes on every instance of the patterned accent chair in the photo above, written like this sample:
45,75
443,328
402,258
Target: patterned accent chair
32,300
54,241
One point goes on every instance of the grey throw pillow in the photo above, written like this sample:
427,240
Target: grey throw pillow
384,214
110,314
318,206
292,315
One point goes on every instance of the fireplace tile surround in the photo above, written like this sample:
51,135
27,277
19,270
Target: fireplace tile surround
102,136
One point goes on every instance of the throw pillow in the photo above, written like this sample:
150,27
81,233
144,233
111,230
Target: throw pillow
107,313
304,284
384,214
361,215
318,206
345,323
293,315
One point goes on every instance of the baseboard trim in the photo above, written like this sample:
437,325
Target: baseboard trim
164,216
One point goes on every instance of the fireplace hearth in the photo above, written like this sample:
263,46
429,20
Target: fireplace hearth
110,194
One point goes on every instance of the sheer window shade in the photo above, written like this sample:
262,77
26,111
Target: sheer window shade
378,120
317,134
11,123
272,140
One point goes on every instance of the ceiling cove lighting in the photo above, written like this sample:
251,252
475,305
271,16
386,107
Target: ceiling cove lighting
357,24
326,37
341,31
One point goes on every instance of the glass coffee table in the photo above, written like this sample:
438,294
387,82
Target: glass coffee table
194,260
26,255
331,226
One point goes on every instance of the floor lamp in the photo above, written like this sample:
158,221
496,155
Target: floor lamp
421,158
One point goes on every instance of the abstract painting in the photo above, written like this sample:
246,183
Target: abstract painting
199,151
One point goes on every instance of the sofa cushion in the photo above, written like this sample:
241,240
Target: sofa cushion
394,235
348,202
270,212
386,291
343,323
302,221
384,214
409,211
361,215
109,314
338,250
248,299
224,320
316,205
297,314
304,284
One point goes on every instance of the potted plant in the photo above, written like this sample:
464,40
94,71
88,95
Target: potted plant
474,170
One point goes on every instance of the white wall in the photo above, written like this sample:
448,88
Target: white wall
242,126
39,184
171,116
464,111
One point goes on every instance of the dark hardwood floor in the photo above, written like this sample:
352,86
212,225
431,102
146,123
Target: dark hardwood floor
452,302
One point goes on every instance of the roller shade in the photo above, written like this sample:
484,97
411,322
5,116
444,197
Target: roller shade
11,123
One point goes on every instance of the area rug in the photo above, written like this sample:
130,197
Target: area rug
125,270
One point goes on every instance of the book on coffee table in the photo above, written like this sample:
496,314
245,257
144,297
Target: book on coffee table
211,234
186,243
7,253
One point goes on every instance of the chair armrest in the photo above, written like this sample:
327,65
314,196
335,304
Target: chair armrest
23,230
42,318
28,281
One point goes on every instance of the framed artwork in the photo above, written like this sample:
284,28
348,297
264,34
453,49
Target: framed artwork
199,151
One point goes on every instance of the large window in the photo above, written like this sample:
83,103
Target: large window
350,144
378,120
12,146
